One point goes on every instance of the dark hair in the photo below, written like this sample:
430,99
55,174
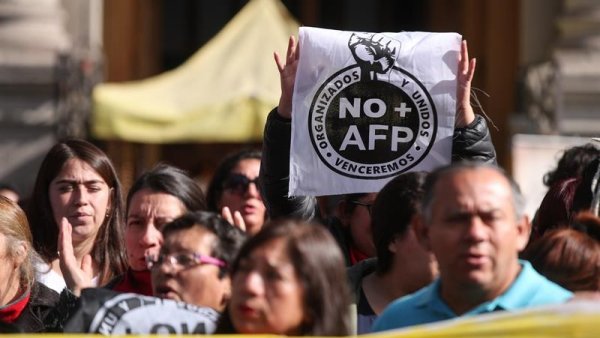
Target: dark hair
555,208
518,200
393,210
108,245
572,163
588,190
570,256
229,237
319,265
215,188
170,180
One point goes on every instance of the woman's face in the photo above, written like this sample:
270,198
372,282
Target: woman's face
9,271
190,280
359,224
79,194
148,212
267,294
240,196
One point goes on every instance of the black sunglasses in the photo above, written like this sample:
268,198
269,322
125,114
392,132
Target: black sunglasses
239,183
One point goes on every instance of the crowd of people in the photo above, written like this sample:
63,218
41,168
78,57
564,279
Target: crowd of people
245,258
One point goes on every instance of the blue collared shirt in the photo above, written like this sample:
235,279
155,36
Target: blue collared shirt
426,306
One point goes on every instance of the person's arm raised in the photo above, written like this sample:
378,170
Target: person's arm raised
287,77
472,140
466,69
275,163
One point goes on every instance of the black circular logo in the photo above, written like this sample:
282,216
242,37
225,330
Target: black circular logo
364,127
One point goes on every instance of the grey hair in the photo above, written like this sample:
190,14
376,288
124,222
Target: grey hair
434,177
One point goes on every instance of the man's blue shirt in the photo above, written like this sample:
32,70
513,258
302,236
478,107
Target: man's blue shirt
426,306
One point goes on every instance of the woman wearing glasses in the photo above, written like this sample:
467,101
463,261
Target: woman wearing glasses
195,258
192,267
352,227
234,191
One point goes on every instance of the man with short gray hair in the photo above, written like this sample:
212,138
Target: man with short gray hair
473,222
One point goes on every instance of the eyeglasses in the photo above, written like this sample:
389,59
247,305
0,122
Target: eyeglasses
366,205
182,260
238,183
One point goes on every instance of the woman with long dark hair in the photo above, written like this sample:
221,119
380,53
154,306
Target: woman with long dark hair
77,190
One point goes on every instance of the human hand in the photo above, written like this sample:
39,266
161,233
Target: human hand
77,276
235,219
374,53
287,77
466,69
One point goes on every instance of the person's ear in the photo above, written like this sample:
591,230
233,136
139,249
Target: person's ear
226,292
20,253
523,232
421,230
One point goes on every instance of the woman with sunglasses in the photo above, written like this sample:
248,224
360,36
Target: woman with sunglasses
234,191
471,141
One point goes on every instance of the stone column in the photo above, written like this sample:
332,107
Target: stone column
32,37
577,58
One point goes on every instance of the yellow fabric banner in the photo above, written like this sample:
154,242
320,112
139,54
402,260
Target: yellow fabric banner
579,319
575,319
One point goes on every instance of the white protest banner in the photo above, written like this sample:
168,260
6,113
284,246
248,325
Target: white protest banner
369,106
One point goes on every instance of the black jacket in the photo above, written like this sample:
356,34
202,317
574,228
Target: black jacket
473,143
39,313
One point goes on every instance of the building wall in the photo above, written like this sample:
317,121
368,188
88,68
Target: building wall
538,32
145,37
32,37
